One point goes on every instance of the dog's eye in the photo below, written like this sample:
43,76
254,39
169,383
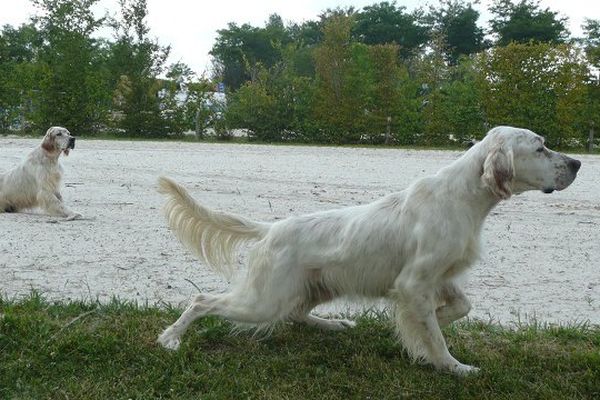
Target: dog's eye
59,134
539,150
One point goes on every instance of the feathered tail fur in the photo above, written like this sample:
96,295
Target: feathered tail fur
211,235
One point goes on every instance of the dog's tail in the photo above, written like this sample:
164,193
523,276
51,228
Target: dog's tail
211,235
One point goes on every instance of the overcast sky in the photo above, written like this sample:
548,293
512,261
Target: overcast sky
190,26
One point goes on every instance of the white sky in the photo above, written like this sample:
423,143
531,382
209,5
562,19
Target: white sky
190,26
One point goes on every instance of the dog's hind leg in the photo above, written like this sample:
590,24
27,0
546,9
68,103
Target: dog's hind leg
239,307
327,324
171,337
5,205
8,208
317,296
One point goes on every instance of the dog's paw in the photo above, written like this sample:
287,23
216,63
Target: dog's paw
337,324
346,323
73,216
169,341
463,369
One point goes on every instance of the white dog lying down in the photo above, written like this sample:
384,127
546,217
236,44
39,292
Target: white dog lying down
36,182
410,246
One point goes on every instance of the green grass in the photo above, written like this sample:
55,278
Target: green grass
92,351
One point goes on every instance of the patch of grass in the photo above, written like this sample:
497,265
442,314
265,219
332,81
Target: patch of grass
83,350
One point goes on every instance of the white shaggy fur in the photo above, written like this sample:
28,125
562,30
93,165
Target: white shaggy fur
410,246
36,182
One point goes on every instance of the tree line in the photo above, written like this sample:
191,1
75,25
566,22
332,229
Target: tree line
430,77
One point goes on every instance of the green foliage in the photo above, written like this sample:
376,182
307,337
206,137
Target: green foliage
199,109
308,33
252,107
378,74
452,112
18,54
238,49
343,83
386,23
591,41
537,85
456,22
173,109
69,87
186,103
592,49
275,106
367,92
525,21
394,100
135,63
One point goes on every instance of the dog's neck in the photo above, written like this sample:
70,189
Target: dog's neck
463,178
50,155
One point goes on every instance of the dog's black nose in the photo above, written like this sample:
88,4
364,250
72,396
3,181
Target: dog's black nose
574,164
72,143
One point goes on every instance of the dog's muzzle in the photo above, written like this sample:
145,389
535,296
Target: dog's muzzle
71,143
574,165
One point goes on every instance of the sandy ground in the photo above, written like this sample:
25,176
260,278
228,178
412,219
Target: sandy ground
540,254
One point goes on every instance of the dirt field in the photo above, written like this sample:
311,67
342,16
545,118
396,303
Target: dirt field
540,254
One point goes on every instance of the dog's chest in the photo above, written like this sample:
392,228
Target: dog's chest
51,175
465,259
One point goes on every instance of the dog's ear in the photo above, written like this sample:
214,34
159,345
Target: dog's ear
49,142
498,171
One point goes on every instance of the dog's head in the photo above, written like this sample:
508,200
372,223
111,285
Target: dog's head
57,140
517,160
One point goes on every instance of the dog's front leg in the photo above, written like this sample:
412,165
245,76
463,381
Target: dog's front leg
53,205
417,324
455,304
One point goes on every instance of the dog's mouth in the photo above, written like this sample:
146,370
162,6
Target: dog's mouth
548,190
70,146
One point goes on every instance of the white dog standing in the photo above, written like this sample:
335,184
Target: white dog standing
410,247
36,182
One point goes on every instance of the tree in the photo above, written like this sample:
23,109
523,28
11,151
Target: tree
239,51
453,113
308,33
304,38
71,89
343,83
252,107
591,44
201,108
386,23
539,86
456,22
276,105
394,104
186,101
173,97
525,21
135,64
19,48
431,70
